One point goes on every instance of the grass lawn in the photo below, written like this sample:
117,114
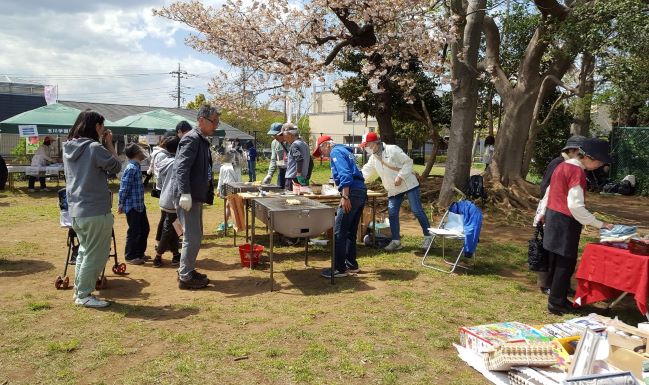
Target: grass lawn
394,323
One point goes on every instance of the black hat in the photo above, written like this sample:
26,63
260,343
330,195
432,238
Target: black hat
574,141
596,149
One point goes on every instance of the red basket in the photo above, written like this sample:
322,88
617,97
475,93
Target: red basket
244,253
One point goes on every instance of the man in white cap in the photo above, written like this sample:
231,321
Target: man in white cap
298,162
394,168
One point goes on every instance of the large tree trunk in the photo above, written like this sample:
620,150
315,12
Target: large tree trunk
510,143
581,120
384,117
464,53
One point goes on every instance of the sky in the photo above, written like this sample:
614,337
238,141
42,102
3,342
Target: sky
110,51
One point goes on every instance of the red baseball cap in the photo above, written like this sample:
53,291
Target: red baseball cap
369,137
322,139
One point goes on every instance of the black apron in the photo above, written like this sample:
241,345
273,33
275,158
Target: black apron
561,234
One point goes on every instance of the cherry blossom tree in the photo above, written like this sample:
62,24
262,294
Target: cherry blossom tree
282,43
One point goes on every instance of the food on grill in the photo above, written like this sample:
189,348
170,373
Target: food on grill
293,202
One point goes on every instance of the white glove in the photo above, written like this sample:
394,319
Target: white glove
266,179
185,202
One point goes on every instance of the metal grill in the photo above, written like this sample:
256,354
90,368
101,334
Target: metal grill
240,187
631,155
307,219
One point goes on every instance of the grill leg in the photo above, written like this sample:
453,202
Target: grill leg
270,254
306,252
333,248
252,237
247,207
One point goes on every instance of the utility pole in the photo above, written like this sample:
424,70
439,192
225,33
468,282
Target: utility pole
180,74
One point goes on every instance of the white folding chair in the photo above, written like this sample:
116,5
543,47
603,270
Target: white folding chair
450,227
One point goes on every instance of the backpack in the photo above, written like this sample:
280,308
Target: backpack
475,188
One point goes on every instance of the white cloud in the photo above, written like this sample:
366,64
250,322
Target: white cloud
87,50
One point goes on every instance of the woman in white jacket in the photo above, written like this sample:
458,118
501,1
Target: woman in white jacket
394,168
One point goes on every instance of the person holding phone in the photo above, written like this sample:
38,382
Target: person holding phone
87,164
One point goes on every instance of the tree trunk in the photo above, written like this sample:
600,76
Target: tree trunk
433,154
464,53
384,117
491,111
581,119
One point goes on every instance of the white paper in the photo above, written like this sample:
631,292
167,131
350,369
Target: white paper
476,361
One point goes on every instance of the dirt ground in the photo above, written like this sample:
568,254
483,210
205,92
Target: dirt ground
33,249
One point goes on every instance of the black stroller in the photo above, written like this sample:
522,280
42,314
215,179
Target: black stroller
63,281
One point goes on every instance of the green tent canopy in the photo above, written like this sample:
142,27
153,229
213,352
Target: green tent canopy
157,121
53,119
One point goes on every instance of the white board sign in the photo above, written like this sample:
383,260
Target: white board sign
27,130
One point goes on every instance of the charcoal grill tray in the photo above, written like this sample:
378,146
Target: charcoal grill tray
279,203
240,187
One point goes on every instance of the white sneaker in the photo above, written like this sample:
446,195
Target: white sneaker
91,301
31,190
393,246
427,241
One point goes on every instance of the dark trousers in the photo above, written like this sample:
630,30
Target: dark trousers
32,182
545,277
158,233
252,172
169,240
563,269
137,234
281,177
345,230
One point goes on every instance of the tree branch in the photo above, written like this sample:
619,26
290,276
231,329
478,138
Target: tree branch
492,59
552,8
334,52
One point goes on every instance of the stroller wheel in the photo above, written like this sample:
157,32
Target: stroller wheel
121,268
101,283
116,269
58,283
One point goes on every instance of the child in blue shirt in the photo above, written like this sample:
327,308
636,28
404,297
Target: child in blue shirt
131,203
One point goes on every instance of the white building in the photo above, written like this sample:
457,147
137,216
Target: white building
329,115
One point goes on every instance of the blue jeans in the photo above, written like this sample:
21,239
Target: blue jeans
394,205
252,173
345,230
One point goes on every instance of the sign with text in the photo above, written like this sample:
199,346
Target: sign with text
27,130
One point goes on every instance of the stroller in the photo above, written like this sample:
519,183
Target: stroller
63,281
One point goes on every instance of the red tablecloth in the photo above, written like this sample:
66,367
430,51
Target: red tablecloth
605,272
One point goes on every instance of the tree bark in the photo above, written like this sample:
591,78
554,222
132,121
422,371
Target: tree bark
581,120
433,154
384,117
464,53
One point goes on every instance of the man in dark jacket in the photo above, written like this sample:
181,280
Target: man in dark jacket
193,170
4,173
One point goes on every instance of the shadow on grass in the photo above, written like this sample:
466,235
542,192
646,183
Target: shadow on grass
214,265
18,268
309,282
152,313
125,287
396,275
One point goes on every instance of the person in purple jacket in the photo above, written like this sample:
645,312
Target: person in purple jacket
353,196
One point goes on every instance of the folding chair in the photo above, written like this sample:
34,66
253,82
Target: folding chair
450,227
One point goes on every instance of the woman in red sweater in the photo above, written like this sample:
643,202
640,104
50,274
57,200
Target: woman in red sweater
564,213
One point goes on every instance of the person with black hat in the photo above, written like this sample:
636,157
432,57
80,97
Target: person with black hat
570,150
278,153
40,159
564,213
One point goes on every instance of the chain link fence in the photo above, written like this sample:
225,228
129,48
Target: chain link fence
630,151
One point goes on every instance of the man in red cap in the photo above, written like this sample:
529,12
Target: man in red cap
353,196
41,159
394,168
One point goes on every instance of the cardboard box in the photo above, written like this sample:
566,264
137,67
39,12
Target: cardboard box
626,359
486,337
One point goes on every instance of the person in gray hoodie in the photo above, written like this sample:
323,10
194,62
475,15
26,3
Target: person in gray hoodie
164,168
87,165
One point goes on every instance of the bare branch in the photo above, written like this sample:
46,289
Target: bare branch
560,83
334,51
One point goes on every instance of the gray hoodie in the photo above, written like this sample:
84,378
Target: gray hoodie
164,168
87,165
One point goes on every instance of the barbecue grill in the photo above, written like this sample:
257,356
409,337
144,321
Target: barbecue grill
306,219
240,187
